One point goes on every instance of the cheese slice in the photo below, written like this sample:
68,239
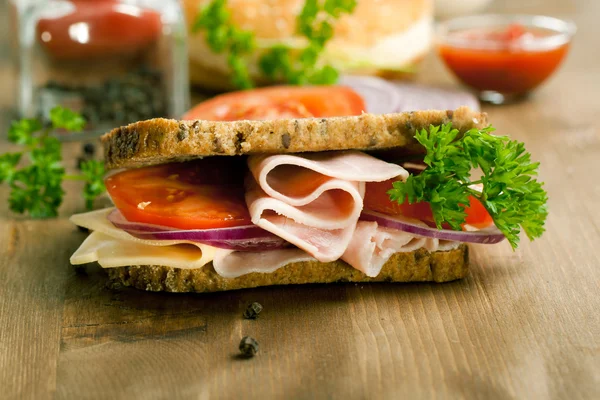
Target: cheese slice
112,247
110,252
231,264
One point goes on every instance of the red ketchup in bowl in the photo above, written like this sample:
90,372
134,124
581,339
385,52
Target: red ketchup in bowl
510,61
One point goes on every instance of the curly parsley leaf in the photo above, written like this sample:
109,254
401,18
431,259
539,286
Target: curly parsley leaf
512,196
315,24
93,171
222,36
67,119
8,163
279,62
36,188
21,131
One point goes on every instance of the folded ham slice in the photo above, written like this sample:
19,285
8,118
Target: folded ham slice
231,264
298,179
372,246
313,200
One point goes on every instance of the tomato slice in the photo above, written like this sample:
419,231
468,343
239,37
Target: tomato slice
98,29
280,102
377,199
198,194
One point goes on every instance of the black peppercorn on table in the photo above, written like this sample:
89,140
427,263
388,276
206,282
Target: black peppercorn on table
522,325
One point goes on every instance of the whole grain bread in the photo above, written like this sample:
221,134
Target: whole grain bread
416,266
159,141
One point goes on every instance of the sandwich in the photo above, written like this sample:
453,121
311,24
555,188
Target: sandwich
387,38
204,205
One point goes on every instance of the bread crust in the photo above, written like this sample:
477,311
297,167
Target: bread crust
158,141
416,266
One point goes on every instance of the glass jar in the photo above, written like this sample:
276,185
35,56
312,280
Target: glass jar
114,61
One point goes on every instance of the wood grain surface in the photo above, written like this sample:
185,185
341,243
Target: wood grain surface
523,325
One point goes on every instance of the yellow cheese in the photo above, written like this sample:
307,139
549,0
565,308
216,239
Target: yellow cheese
112,247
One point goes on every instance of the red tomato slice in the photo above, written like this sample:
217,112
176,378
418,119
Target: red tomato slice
98,29
377,199
280,102
198,194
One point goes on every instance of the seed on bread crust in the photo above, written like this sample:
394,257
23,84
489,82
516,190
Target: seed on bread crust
183,132
159,140
285,140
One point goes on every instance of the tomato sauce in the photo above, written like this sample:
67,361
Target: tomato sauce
510,66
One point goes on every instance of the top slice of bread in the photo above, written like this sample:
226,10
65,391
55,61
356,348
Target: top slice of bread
158,141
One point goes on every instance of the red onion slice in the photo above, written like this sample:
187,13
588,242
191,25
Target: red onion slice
240,238
415,97
380,96
488,235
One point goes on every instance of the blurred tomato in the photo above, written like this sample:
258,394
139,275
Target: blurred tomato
280,102
97,29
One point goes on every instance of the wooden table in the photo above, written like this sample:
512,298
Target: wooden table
522,325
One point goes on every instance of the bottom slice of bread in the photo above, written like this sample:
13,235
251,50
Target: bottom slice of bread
415,266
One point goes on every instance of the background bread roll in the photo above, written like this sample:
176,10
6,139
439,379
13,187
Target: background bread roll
381,37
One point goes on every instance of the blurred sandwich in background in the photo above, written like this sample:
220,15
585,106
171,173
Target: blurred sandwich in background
380,37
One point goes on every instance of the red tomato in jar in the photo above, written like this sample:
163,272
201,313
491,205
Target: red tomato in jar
377,199
280,102
98,29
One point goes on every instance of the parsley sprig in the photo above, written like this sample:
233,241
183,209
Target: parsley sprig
279,62
223,36
511,195
315,23
36,188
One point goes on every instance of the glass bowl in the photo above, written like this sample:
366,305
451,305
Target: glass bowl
503,57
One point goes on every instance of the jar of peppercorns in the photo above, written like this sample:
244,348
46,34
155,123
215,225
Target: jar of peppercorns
113,61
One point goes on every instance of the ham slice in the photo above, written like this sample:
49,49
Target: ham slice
372,246
324,232
231,264
297,179
313,200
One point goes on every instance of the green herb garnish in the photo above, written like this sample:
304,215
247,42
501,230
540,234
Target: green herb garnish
279,62
37,187
510,194
315,23
223,36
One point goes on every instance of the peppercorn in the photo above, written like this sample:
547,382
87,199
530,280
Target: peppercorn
253,310
80,269
89,149
138,95
248,346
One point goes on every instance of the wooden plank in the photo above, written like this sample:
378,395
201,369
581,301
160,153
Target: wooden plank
34,267
33,264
